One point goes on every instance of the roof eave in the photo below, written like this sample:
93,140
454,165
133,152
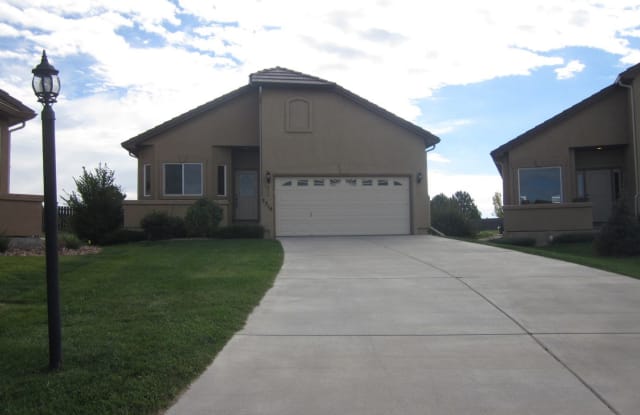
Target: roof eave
133,144
529,134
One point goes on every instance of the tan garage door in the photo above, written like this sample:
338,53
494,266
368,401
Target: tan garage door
342,206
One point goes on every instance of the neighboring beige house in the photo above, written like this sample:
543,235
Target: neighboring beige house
20,215
566,174
292,152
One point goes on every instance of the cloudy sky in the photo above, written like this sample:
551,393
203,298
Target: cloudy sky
475,73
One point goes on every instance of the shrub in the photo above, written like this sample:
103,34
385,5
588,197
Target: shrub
240,231
448,218
4,243
69,241
97,205
567,238
160,225
203,218
620,236
123,236
516,240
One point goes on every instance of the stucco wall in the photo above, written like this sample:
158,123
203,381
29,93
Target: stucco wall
4,157
201,140
135,210
21,215
604,123
344,139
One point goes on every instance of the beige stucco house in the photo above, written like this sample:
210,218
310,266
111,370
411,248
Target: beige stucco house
295,153
20,215
566,174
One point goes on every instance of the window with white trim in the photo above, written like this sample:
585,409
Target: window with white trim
540,185
183,179
146,180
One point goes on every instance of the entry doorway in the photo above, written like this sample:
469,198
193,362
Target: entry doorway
602,188
246,195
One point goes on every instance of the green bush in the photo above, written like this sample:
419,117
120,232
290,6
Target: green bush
69,241
123,236
160,225
516,240
620,236
203,218
448,217
97,205
4,243
567,238
240,232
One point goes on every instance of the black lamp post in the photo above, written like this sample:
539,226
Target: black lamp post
46,86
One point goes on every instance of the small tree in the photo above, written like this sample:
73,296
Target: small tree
466,205
97,205
447,217
497,205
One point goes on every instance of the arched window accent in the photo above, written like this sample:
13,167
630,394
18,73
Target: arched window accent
298,115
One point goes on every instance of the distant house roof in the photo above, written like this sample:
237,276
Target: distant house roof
626,76
278,76
14,111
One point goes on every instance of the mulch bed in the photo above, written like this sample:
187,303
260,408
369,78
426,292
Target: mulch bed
84,250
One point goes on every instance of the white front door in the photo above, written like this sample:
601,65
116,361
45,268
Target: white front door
246,195
342,206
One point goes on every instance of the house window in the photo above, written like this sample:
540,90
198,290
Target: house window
582,188
147,180
183,179
221,180
540,185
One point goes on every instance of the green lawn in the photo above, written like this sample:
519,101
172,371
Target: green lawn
140,322
583,253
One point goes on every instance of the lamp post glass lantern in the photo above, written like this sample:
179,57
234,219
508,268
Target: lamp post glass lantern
46,86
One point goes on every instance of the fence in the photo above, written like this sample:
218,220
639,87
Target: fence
64,218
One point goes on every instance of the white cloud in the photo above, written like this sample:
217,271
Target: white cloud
569,70
445,127
433,157
394,53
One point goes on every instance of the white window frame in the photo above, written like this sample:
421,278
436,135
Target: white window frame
164,180
538,168
146,176
224,184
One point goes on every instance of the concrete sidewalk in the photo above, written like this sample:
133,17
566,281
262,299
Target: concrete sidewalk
425,325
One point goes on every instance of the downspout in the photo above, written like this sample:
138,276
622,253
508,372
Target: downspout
434,230
261,199
634,139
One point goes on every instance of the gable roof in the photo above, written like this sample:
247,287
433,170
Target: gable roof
626,76
284,76
279,76
13,110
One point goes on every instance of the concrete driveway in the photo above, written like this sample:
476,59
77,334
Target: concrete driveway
425,325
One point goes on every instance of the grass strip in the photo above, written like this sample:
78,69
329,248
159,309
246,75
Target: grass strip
140,322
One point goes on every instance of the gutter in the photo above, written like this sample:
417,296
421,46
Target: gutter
20,127
634,137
